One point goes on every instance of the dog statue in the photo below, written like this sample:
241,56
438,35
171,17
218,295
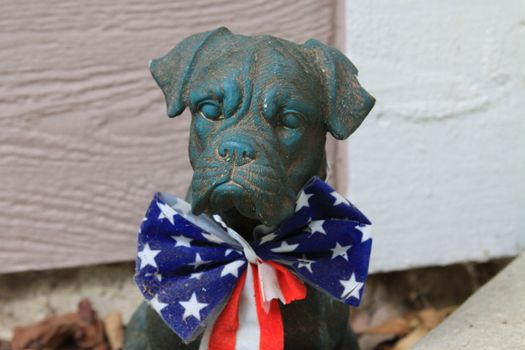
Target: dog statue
261,107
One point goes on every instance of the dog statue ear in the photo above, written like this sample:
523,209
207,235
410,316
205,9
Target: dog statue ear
172,72
348,103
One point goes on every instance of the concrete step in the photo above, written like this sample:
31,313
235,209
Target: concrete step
491,319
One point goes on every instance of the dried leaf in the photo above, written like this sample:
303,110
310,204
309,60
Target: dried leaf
114,330
410,339
430,318
4,345
408,329
80,331
397,326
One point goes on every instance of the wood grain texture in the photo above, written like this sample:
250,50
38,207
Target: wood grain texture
84,140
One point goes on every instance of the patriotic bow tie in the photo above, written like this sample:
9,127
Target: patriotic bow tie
199,274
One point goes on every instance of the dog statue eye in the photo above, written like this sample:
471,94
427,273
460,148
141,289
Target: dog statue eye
210,110
291,120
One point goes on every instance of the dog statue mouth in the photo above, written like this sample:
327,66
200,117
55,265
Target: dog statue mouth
268,205
230,195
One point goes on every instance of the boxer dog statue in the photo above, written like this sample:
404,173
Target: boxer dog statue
261,107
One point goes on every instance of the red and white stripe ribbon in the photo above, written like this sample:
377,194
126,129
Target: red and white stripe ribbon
252,319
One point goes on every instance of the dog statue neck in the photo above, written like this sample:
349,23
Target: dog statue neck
245,226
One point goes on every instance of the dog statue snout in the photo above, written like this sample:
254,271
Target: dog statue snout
237,152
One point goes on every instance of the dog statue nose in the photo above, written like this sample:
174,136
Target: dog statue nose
238,152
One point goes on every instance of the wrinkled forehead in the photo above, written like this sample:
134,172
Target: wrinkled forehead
259,67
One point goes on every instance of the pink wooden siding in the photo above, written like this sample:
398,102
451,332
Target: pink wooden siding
84,140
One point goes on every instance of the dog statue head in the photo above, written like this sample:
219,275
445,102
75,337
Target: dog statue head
261,107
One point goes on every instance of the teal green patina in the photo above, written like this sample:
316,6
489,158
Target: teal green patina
261,107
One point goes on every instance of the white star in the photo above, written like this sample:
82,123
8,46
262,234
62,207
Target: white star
339,199
340,250
211,237
147,256
267,238
182,241
198,261
366,231
351,287
303,262
196,275
192,307
302,201
145,219
317,226
232,268
157,305
285,247
166,212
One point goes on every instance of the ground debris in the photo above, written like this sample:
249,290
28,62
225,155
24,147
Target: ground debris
81,330
400,332
114,330
5,345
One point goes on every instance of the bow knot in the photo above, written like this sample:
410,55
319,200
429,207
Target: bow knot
247,249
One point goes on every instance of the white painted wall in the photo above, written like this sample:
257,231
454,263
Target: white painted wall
439,165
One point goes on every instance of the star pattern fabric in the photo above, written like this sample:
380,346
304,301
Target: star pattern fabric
192,307
147,256
352,288
188,266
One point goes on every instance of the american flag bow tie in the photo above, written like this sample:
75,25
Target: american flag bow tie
200,275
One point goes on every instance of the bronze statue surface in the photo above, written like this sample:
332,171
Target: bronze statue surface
261,108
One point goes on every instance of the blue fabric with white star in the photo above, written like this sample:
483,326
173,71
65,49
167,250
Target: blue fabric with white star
188,273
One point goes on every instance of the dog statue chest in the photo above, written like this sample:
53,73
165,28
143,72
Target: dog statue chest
261,107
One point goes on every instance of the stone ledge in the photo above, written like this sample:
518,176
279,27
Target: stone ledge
493,318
